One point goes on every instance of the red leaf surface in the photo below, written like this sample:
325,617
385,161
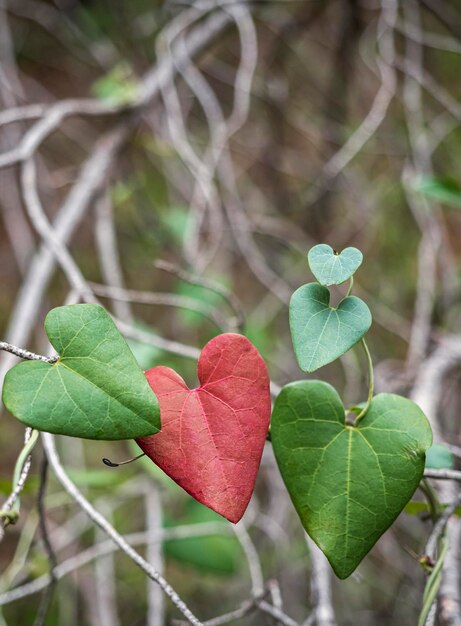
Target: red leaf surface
212,437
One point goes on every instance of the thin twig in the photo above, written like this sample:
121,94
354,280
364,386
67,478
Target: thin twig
26,354
162,299
254,565
439,528
154,553
97,518
104,548
256,603
90,180
48,596
10,510
443,474
109,256
55,114
202,281
320,587
378,111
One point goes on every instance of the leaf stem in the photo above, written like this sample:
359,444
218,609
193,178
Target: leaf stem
371,383
351,284
110,463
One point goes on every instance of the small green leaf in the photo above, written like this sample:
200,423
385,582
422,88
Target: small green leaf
321,333
331,268
439,457
348,483
96,390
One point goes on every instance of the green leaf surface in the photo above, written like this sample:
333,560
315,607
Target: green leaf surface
348,483
439,457
331,268
96,390
321,333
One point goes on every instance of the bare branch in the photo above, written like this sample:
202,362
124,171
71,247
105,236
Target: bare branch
90,181
100,520
48,596
163,299
202,281
25,354
323,613
443,474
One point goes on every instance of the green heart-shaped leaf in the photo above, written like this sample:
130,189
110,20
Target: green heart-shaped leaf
321,333
348,483
96,390
331,268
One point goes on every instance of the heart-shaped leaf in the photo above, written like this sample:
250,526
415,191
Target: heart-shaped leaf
321,333
96,390
348,483
331,268
212,437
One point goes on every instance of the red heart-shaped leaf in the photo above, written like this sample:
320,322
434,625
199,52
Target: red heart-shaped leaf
212,437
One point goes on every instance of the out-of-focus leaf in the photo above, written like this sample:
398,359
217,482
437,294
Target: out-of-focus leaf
175,220
205,296
260,336
122,192
415,508
216,554
118,86
439,457
444,190
97,478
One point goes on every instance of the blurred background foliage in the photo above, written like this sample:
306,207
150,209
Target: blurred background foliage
316,78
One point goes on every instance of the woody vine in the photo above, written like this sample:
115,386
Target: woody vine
350,471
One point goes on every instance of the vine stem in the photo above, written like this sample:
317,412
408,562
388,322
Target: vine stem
371,383
432,499
351,285
437,542
10,509
101,521
433,584
26,354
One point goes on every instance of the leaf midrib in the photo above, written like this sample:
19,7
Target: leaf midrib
196,392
